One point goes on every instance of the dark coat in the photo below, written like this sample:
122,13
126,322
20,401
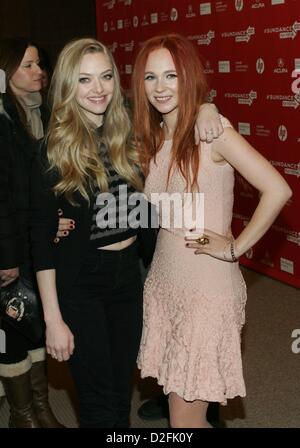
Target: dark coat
17,149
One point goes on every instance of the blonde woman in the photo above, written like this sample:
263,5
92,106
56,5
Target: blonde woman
90,283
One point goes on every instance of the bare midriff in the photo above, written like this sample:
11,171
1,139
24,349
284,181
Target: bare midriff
119,246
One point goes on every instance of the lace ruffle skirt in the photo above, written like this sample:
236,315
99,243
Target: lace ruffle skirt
193,315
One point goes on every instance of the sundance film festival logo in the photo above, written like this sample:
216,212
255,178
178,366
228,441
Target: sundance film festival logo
110,4
240,36
285,32
292,169
243,98
206,39
290,101
294,172
2,81
211,96
260,66
294,102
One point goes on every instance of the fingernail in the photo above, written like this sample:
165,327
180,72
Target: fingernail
72,222
72,226
56,240
66,233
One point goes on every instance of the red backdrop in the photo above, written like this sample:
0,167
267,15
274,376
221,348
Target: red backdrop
251,54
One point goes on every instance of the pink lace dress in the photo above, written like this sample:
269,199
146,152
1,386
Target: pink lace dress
193,304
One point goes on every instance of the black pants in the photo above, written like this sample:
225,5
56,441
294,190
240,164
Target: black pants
104,312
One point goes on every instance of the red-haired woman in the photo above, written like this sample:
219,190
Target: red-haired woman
194,299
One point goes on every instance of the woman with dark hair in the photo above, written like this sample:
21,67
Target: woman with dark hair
22,124
194,299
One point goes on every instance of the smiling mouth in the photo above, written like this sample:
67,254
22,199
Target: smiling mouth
162,99
97,99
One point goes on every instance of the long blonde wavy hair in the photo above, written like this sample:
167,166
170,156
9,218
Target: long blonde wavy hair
72,142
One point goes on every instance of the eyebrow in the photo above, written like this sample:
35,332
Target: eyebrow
102,73
31,60
167,71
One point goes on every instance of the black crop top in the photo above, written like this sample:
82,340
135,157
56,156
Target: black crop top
112,220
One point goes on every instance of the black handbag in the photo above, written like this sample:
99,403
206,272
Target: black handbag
21,307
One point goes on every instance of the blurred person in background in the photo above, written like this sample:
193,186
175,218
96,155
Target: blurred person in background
23,120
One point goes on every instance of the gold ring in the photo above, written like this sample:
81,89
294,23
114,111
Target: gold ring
202,240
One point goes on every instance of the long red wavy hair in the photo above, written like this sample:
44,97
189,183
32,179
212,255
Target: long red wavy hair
192,90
